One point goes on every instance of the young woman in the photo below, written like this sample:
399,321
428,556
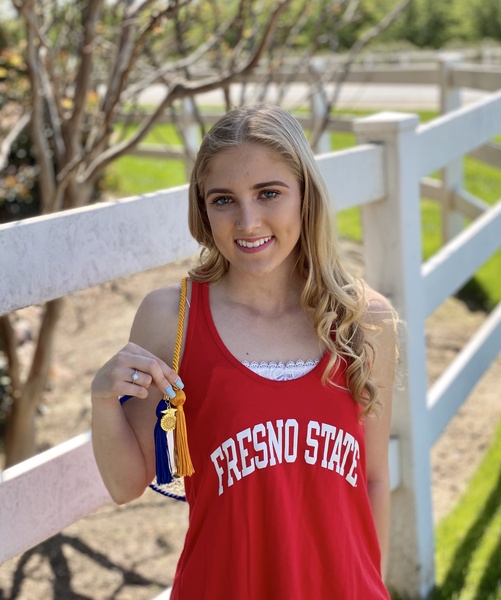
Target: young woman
287,363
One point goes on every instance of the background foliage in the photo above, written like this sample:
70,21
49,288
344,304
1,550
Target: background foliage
448,23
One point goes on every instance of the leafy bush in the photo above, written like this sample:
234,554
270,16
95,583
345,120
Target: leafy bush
426,23
486,19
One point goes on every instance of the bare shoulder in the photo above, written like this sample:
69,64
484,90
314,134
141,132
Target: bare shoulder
380,330
155,324
376,302
379,312
380,323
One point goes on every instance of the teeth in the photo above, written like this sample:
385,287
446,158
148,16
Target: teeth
255,244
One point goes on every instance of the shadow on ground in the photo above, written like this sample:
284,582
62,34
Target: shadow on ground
52,551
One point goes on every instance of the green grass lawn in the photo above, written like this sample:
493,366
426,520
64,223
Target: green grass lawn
134,175
468,540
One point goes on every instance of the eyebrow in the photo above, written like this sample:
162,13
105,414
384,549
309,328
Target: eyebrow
257,186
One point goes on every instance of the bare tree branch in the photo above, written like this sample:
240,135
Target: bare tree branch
122,63
354,51
184,88
52,103
90,19
42,65
349,13
126,55
303,60
377,29
11,137
128,48
238,25
44,153
135,10
181,64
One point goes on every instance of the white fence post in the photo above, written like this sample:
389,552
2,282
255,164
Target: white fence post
452,173
392,249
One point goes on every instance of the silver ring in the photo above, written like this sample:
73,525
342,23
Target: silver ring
135,376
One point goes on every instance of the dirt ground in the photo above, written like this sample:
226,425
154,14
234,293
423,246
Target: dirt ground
130,552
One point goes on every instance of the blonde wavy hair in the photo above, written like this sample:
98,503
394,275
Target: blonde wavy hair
334,301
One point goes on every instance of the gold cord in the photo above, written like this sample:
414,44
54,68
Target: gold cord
180,325
181,449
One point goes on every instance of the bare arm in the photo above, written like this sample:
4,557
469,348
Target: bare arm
382,334
122,436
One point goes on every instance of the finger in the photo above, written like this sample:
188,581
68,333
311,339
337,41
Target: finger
140,378
133,381
164,377
149,369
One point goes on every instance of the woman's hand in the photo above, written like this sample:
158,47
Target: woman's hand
122,435
132,372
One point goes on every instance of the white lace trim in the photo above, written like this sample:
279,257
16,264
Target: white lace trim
280,371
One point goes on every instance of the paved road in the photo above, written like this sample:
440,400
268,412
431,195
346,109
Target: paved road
361,96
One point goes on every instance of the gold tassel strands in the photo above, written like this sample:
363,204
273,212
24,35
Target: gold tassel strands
174,418
181,449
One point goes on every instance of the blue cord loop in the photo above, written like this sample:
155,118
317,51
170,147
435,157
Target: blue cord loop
162,458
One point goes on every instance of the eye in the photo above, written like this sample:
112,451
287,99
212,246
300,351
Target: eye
220,200
269,194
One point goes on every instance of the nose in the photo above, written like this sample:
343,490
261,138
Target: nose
248,218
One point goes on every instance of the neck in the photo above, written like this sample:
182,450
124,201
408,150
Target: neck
270,295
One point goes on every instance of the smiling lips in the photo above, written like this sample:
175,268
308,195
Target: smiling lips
253,245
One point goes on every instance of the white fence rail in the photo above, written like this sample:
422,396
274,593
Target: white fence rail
61,253
65,252
41,496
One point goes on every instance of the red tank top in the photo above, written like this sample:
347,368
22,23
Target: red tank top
279,508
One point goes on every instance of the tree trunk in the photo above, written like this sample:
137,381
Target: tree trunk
20,442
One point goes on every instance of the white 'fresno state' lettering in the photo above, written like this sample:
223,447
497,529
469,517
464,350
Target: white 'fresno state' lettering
217,454
275,441
291,436
352,478
335,454
328,432
245,435
311,442
260,446
230,451
265,445
268,444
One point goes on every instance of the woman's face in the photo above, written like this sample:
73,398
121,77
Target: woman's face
253,203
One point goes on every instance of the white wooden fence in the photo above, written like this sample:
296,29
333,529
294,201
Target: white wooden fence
50,256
